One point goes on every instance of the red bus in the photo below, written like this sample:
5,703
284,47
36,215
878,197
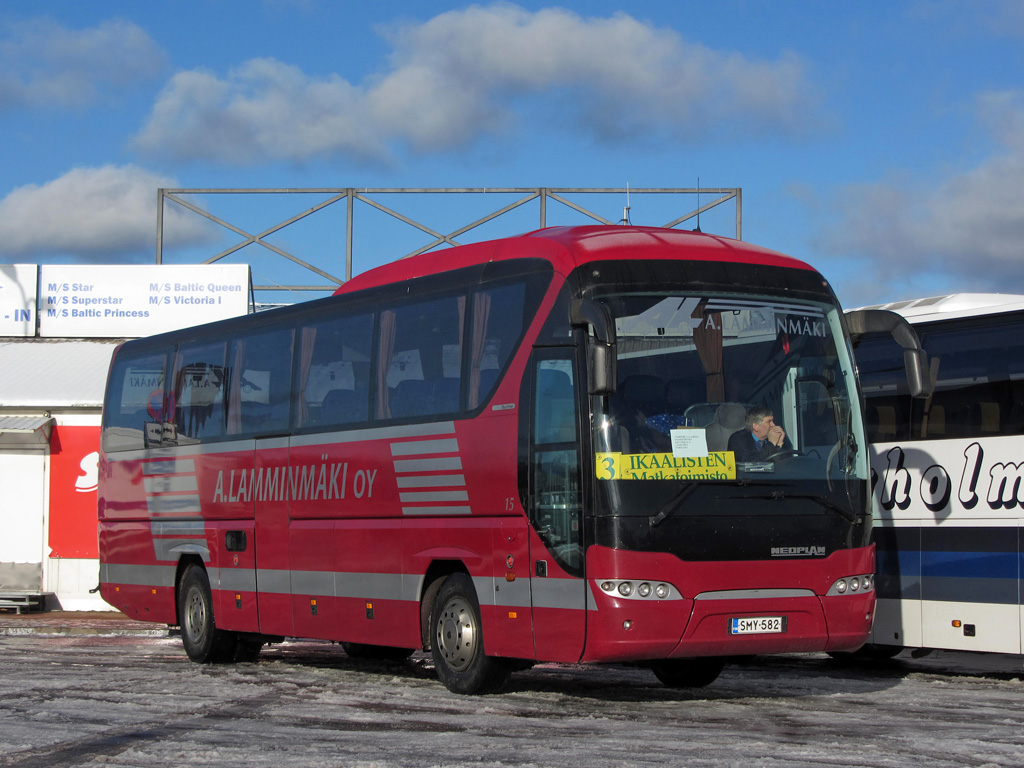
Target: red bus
510,452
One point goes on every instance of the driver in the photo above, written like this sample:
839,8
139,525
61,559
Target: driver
760,439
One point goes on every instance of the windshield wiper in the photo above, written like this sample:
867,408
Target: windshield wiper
669,508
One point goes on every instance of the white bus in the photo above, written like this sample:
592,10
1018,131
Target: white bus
948,477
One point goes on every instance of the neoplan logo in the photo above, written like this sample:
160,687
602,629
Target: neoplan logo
798,551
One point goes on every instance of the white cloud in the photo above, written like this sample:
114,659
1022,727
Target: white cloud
464,74
105,213
45,64
969,227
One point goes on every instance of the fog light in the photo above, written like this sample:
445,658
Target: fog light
627,624
626,588
661,591
644,589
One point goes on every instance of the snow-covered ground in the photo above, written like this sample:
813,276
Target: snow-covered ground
137,701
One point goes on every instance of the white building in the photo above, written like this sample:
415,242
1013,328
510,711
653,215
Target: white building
51,395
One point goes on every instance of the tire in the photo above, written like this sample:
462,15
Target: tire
376,652
203,642
688,673
457,644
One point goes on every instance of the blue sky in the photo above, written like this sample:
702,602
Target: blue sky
883,142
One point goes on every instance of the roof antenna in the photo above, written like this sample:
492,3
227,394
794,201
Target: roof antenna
625,210
698,205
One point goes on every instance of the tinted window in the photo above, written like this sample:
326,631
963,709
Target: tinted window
420,368
979,386
133,411
334,371
498,324
200,385
259,382
978,366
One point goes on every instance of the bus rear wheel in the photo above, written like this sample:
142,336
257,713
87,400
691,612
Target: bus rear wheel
687,673
203,642
457,644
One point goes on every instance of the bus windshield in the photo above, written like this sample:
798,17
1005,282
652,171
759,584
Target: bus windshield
701,378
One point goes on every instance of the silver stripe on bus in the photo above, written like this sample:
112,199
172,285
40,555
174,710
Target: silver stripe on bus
754,594
377,433
169,467
436,511
274,581
177,452
559,593
509,594
431,481
272,443
445,463
138,575
414,447
178,527
408,498
313,583
233,579
169,550
165,484
566,594
182,505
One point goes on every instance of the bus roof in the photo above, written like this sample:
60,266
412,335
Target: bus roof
954,305
568,247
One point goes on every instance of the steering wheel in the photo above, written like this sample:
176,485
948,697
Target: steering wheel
783,455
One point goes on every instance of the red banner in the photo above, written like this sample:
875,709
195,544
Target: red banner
74,462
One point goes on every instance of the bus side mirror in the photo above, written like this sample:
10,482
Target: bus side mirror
602,360
915,361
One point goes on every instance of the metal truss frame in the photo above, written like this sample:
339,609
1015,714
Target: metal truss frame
369,197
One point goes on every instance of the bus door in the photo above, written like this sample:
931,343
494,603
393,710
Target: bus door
558,589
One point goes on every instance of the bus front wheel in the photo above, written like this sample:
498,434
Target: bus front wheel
457,641
687,673
203,642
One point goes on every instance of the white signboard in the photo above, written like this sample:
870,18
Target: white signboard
689,442
132,301
18,300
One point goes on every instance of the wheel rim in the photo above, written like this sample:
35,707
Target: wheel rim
456,634
195,615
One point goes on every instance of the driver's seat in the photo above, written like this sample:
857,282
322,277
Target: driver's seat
729,418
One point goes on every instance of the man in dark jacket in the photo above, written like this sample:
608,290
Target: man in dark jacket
761,439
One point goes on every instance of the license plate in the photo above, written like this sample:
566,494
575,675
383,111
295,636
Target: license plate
757,625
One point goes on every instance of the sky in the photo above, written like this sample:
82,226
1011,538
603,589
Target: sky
881,142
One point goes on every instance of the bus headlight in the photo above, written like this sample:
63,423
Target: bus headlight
849,585
642,590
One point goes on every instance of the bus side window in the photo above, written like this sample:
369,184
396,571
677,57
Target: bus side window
133,412
259,382
420,363
555,481
334,371
498,324
200,380
884,383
